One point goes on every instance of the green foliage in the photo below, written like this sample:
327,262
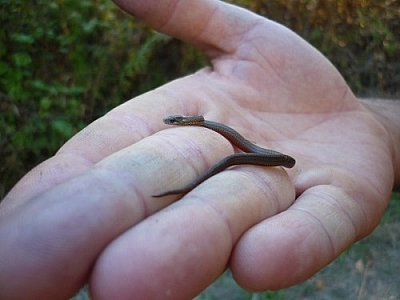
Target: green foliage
64,63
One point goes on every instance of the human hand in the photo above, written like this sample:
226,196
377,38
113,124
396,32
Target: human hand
87,213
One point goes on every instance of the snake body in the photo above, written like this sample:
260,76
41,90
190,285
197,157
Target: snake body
253,154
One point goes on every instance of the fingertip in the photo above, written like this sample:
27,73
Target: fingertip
275,255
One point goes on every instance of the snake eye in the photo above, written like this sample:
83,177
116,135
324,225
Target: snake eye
178,118
173,120
170,120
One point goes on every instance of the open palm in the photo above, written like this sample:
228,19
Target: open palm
89,208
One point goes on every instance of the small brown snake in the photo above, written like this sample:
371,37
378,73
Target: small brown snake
253,154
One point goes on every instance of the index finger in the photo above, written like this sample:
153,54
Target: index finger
120,128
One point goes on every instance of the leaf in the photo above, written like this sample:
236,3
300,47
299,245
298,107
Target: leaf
22,59
23,38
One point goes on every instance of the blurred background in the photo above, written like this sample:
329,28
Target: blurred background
65,63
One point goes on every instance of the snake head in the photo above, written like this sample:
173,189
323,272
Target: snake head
173,120
183,120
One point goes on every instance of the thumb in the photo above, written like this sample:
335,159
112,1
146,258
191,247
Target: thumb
203,23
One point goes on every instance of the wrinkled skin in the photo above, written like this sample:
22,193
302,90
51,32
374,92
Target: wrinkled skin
87,215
